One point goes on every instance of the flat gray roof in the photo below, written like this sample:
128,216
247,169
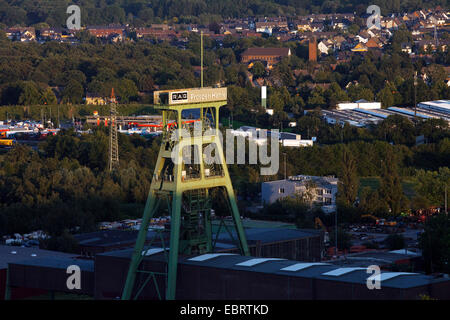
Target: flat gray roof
354,274
14,254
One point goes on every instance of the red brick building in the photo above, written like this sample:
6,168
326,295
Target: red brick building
269,55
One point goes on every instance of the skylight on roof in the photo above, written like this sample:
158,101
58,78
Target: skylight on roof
301,266
254,262
209,256
403,251
389,275
152,251
341,271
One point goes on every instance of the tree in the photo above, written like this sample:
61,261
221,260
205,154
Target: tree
435,244
48,97
397,129
258,70
395,241
431,185
73,92
357,92
335,94
391,188
348,179
344,239
29,93
370,202
126,90
316,99
386,97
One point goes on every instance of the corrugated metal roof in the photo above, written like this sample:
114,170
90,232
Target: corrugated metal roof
317,271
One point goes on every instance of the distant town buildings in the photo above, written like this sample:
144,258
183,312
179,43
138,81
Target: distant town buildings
23,34
327,29
105,31
91,99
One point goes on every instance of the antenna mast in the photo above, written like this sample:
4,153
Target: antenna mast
201,59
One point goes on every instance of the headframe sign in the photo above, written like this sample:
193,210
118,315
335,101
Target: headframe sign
194,95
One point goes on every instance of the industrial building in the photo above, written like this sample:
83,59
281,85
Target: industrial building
153,121
93,243
269,55
316,190
385,259
286,243
362,114
286,139
264,240
14,254
229,276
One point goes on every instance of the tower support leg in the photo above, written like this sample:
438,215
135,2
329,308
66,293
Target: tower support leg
7,287
149,210
237,220
175,224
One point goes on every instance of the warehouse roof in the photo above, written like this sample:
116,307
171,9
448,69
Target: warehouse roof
58,263
378,257
308,270
109,237
14,254
269,235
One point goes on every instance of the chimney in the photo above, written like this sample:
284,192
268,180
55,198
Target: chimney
313,49
264,97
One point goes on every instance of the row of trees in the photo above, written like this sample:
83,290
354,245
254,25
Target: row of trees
140,12
70,171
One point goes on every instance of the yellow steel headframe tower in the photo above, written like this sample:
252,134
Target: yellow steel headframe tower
183,176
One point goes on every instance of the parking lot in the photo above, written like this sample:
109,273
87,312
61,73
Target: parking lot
377,234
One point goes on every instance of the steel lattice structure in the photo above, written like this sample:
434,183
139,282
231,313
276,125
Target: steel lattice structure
113,139
185,188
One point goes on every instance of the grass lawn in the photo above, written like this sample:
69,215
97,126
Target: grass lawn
374,183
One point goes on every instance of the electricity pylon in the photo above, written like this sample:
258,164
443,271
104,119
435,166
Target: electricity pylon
184,184
113,140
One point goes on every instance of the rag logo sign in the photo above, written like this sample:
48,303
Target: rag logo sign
74,21
179,96
375,16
